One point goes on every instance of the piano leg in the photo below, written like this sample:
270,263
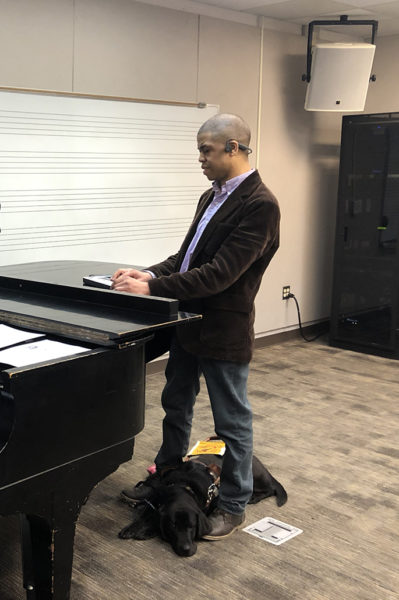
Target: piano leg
47,554
27,556
49,507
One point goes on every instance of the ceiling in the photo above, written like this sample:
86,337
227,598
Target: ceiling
301,12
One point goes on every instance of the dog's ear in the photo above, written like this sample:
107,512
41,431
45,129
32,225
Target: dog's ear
203,525
145,524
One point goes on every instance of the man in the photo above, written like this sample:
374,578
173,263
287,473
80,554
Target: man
216,273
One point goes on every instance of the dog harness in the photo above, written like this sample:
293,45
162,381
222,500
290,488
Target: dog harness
214,470
213,490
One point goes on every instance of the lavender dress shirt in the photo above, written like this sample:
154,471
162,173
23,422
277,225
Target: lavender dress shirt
220,196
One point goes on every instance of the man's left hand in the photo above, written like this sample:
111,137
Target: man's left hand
124,283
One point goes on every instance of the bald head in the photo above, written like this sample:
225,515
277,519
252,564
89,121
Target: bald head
224,127
221,161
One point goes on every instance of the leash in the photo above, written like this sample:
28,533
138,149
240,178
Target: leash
213,492
146,502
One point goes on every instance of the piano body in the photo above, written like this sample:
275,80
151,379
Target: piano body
67,423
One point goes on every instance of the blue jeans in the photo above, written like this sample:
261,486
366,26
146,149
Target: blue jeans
227,388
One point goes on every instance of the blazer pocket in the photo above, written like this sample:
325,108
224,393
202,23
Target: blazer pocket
225,329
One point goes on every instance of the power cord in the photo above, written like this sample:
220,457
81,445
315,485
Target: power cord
290,295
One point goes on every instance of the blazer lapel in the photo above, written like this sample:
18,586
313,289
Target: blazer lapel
230,205
193,228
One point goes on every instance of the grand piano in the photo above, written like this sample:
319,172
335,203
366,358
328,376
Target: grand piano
67,423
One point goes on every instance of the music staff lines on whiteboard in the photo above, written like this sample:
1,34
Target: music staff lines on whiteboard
11,156
137,190
94,164
140,223
82,234
84,178
43,206
15,201
18,123
85,118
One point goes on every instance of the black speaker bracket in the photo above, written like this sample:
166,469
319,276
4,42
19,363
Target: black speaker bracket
342,21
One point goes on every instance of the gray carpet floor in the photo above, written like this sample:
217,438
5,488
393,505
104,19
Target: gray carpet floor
326,426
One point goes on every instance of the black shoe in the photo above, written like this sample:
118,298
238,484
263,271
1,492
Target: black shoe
141,491
223,524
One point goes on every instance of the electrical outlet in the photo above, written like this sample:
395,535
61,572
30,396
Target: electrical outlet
286,292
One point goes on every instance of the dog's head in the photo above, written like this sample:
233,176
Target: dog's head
182,522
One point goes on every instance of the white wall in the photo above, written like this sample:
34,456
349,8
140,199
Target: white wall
383,95
123,47
129,49
36,44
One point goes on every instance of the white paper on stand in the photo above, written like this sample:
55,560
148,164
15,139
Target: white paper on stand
35,352
10,336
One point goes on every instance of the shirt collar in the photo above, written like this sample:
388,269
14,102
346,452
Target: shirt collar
231,184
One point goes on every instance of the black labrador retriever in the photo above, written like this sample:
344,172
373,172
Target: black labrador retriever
183,496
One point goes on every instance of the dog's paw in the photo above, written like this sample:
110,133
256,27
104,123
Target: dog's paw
127,533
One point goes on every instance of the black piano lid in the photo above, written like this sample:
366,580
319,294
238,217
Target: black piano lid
50,297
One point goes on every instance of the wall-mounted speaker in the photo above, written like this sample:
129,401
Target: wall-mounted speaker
340,77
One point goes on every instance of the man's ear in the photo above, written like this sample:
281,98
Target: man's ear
231,146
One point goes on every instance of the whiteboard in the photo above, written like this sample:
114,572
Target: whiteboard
96,179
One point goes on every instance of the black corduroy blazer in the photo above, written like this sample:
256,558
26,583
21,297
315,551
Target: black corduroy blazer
225,271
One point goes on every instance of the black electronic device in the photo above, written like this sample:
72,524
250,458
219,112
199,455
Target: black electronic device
98,281
365,300
228,147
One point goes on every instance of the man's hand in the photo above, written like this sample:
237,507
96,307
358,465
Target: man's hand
139,275
132,281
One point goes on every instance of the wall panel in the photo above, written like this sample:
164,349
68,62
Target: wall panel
36,44
124,48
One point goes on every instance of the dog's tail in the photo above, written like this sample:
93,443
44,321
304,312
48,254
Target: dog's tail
265,485
281,494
